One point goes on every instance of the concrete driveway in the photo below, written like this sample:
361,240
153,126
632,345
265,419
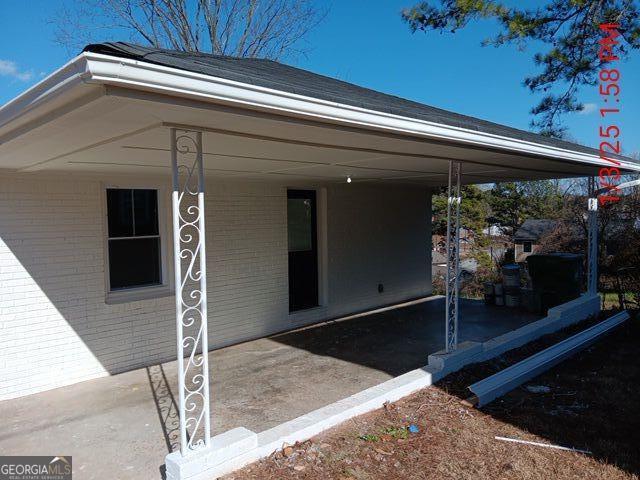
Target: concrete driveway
123,426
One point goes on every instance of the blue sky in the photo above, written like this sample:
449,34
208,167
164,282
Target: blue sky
368,44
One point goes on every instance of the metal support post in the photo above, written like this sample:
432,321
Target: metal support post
453,256
592,250
191,289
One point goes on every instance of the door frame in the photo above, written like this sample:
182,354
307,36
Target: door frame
322,251
306,291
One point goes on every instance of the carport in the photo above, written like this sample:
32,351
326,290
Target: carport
119,110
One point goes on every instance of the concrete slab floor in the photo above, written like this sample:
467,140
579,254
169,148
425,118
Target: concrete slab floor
123,426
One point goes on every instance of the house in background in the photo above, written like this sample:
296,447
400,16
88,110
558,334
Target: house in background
438,260
467,241
528,237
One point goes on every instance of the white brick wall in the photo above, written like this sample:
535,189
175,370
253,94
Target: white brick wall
56,329
377,235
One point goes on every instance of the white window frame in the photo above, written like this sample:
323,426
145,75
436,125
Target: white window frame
133,294
524,247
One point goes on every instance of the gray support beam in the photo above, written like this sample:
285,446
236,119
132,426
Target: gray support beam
506,380
453,256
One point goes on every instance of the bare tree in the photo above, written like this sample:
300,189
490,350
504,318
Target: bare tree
271,29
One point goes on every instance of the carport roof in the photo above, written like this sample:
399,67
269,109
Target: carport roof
278,76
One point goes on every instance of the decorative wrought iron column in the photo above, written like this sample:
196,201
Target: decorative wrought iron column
191,289
453,256
592,249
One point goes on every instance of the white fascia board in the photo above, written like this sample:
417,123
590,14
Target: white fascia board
63,81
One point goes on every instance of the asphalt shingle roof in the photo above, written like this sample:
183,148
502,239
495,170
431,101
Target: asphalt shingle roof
533,230
278,76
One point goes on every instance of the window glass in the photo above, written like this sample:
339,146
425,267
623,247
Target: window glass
134,262
527,247
133,238
120,212
299,224
145,212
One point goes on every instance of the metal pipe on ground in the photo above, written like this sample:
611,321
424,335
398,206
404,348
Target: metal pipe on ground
487,390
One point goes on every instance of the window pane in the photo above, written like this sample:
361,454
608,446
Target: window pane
299,224
134,262
119,212
145,208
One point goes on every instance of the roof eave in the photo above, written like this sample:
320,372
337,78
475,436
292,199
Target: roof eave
59,83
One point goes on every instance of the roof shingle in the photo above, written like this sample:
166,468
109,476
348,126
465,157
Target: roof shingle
534,229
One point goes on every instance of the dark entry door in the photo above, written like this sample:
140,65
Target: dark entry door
303,249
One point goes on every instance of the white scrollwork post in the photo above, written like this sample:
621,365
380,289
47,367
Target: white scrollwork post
592,248
191,289
453,256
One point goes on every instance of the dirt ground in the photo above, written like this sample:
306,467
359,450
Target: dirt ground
588,402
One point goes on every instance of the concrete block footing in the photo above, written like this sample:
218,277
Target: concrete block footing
223,447
473,352
452,361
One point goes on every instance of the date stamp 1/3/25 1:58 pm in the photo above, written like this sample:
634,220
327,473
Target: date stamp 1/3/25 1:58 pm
609,89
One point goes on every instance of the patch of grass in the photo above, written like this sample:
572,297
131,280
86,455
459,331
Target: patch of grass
386,433
395,432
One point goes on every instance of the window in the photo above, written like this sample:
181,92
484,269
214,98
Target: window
133,238
527,247
300,224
